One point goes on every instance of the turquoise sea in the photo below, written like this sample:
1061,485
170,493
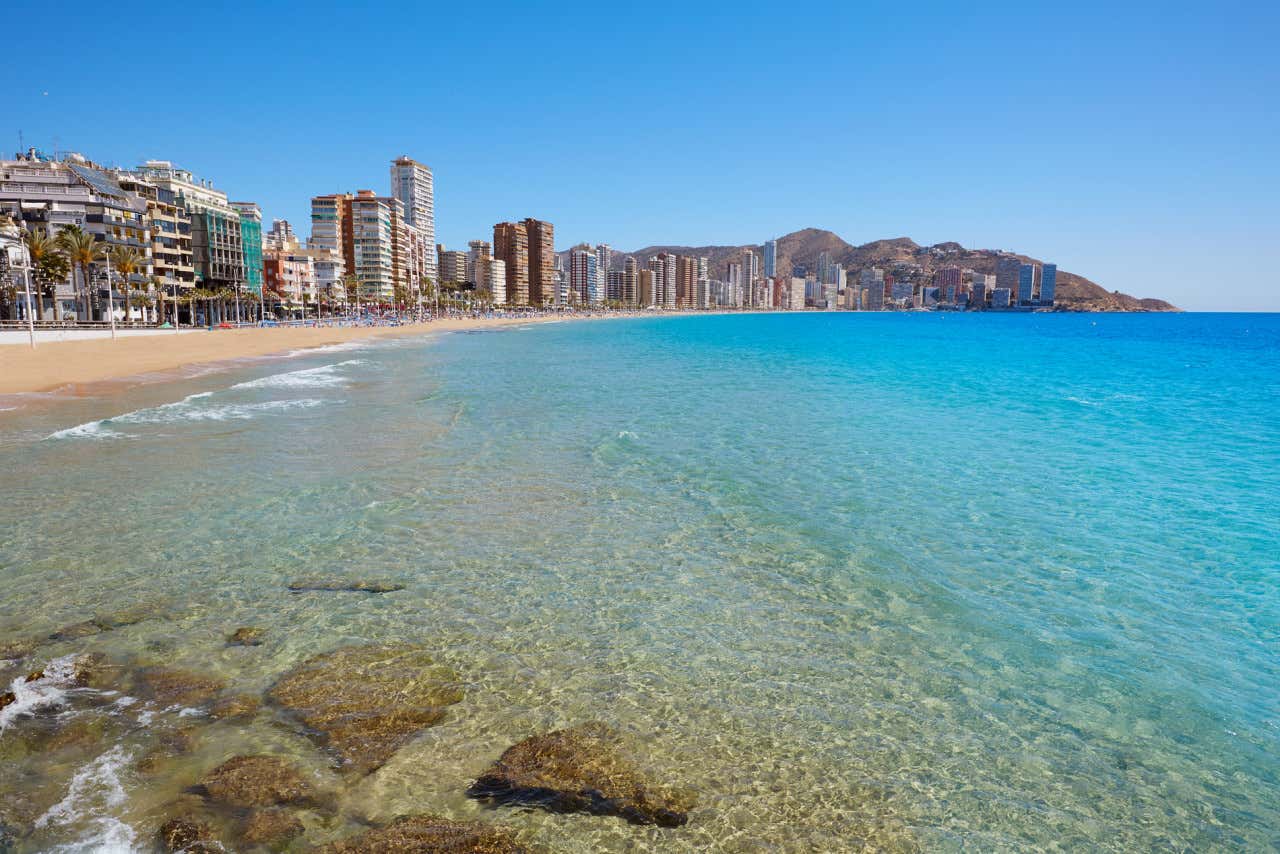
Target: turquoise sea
933,582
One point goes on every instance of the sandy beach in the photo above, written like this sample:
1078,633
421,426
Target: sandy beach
68,365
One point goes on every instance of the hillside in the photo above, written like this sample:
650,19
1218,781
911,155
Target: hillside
906,259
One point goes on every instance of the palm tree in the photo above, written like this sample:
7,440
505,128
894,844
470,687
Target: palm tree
39,247
126,261
82,251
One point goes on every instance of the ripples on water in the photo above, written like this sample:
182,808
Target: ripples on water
932,582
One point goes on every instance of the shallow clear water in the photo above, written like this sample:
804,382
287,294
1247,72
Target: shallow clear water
918,581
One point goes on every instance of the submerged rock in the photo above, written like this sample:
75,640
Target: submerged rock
430,835
236,706
172,686
15,650
168,744
256,781
187,835
75,631
246,636
363,703
578,770
341,585
271,827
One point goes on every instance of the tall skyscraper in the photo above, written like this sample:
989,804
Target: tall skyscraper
1026,283
511,244
770,258
630,282
824,267
750,272
413,185
646,282
1048,283
686,281
583,281
604,257
872,280
733,278
542,261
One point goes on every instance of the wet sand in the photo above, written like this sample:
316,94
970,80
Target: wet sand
68,365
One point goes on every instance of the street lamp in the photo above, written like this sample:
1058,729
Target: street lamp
111,304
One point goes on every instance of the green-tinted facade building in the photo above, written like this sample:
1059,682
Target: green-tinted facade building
251,243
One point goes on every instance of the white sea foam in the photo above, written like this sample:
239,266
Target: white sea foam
94,791
49,691
179,412
325,376
331,348
91,430
108,836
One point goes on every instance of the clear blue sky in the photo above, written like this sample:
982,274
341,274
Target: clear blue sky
1137,144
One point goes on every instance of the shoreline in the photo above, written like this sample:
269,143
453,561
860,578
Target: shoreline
73,366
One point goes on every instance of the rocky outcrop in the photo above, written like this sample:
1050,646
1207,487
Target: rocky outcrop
256,781
342,585
188,836
430,835
235,706
246,636
173,686
362,703
16,650
579,770
271,827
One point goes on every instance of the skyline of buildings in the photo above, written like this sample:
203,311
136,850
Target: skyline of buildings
191,235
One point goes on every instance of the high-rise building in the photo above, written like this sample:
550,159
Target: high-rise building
1048,284
171,259
511,244
1008,269
583,281
686,281
750,272
770,258
478,256
630,282
1000,298
983,285
824,267
795,294
453,265
946,277
217,244
614,284
378,247
280,235
496,281
733,278
331,224
413,184
542,261
604,260
871,279
646,282
1026,283
251,244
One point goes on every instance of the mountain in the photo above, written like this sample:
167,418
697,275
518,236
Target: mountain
905,259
